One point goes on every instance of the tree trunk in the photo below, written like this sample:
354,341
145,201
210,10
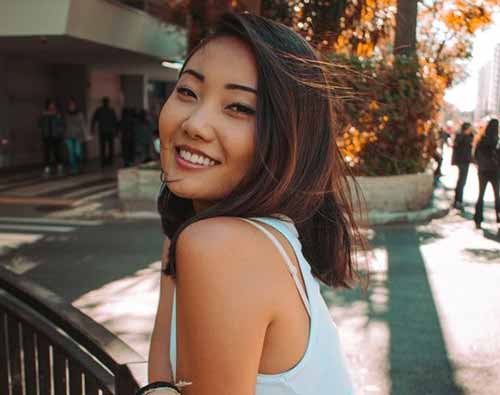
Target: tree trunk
405,42
204,14
252,6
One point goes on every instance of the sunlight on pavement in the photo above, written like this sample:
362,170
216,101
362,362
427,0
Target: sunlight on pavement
365,334
464,280
12,241
15,240
127,306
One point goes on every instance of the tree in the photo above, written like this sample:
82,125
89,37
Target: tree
354,27
405,42
446,32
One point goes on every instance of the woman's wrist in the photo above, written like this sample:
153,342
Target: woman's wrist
159,388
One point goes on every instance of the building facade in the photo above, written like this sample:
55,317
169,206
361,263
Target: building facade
485,94
496,80
86,49
488,101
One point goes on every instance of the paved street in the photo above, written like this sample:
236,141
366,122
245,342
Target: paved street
429,322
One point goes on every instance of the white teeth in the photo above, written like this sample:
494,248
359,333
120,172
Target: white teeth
195,158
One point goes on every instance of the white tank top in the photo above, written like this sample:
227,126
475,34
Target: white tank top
322,369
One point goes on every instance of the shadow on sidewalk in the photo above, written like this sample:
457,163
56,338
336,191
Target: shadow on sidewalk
400,298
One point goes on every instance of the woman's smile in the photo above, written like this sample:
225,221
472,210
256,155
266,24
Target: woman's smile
192,159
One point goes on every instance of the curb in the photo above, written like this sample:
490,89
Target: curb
408,217
374,217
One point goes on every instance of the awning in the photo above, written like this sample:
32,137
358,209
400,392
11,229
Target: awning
87,32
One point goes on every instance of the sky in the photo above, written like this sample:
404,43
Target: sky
464,95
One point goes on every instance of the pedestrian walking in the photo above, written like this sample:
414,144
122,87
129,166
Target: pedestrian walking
461,157
443,138
75,135
487,160
127,130
51,125
144,135
248,150
105,118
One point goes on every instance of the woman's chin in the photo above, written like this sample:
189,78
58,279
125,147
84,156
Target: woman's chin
185,191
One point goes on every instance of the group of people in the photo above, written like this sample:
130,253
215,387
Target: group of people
484,150
62,130
65,134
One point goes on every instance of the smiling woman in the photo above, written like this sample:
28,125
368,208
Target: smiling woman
248,150
207,126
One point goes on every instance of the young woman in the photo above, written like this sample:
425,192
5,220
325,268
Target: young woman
257,209
462,156
487,158
75,135
52,128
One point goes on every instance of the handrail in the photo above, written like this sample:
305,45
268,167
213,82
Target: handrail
107,348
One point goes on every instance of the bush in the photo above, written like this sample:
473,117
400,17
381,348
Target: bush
388,120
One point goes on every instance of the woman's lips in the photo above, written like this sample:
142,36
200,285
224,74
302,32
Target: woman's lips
187,165
194,151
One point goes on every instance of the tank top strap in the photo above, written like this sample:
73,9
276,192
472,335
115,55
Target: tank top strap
291,268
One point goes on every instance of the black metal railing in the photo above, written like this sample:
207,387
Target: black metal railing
49,347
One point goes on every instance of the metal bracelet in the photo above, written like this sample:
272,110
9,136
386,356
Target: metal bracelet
162,391
159,388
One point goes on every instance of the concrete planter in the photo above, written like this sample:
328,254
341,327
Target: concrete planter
138,187
387,198
403,193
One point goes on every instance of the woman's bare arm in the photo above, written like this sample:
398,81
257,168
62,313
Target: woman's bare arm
159,368
224,306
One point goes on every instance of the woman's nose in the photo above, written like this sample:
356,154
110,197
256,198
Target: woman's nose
199,126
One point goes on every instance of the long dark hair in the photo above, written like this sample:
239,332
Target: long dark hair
297,170
464,127
491,131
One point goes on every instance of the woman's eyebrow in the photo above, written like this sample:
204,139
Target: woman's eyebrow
201,78
195,74
241,87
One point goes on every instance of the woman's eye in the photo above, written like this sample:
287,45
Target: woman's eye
183,91
240,108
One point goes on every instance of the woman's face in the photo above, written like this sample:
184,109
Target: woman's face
207,126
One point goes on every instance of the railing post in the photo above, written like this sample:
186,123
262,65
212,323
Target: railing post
125,384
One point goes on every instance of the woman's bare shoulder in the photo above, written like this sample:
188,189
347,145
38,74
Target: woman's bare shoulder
224,246
215,236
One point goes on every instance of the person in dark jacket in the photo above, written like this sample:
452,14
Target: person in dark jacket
52,127
461,157
144,135
105,118
127,129
486,157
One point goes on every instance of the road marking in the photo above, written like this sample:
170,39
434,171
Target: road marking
55,184
96,196
50,221
81,193
38,201
37,228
